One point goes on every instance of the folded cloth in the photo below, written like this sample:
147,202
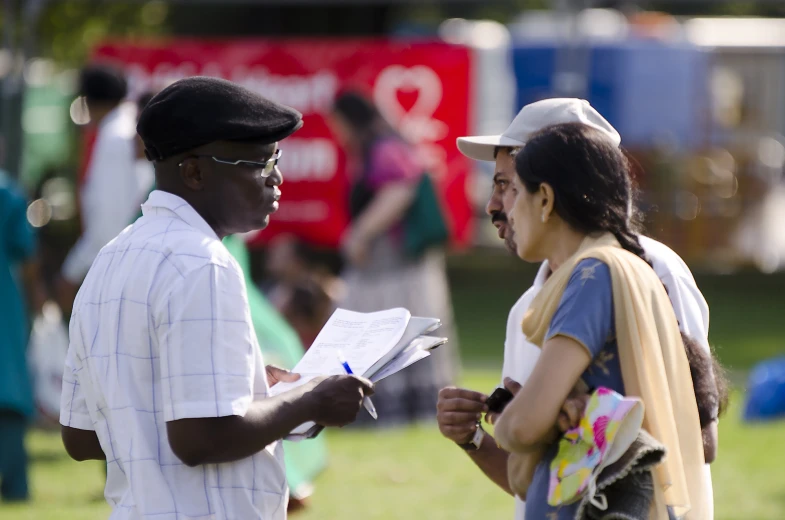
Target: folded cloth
627,485
609,426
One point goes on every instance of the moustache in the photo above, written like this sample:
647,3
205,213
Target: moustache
498,216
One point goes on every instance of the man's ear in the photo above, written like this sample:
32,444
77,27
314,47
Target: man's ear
191,175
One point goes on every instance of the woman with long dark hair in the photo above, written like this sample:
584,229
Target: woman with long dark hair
380,273
603,319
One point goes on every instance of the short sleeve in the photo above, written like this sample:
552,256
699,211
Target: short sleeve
585,312
73,405
392,161
690,307
205,333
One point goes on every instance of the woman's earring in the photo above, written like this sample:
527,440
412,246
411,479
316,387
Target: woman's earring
544,218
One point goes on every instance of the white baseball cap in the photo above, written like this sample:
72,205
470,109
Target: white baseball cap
532,118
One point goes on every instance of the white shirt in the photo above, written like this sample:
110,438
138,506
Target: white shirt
113,190
161,331
690,307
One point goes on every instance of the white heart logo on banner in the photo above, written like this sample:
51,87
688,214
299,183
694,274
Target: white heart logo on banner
417,123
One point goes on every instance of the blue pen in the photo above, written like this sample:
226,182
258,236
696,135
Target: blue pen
366,400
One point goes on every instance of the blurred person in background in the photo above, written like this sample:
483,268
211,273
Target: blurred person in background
281,346
303,289
385,174
58,235
113,187
458,407
285,264
17,408
307,306
145,173
164,377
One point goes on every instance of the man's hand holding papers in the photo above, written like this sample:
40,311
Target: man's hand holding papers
336,400
376,345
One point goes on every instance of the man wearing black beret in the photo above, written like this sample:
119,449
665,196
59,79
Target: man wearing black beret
164,378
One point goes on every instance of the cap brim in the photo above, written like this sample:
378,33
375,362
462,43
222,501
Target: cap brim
481,147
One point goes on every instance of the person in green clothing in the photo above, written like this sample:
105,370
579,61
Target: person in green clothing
17,247
281,346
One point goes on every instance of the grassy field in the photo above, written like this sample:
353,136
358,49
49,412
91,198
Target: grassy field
414,473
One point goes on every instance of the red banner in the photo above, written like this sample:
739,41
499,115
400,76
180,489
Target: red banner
421,88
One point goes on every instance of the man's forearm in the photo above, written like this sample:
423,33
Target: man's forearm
228,439
492,460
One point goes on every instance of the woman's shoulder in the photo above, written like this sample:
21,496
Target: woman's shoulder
392,148
590,269
393,159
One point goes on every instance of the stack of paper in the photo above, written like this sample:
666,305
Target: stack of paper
375,345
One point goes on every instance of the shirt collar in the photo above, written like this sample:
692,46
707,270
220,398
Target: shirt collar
163,200
542,274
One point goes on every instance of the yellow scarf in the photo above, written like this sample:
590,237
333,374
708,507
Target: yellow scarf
653,363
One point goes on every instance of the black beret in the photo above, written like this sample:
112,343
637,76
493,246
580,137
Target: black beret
199,110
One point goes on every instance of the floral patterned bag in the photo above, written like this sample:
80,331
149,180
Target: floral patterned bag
610,424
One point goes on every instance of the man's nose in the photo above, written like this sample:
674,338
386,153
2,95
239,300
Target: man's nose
494,204
275,178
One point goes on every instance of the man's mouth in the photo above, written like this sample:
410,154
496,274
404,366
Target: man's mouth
274,204
500,221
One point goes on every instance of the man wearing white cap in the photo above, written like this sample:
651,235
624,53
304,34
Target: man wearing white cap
458,409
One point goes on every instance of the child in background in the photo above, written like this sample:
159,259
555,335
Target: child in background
711,392
303,288
281,347
307,306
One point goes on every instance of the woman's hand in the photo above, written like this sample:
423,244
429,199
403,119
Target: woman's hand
569,416
355,249
572,411
387,208
530,420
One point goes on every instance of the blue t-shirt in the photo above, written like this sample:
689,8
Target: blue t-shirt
586,315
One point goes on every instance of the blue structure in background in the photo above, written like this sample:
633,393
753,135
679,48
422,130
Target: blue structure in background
650,91
766,391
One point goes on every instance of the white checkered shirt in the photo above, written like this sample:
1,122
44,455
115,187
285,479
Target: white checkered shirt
161,331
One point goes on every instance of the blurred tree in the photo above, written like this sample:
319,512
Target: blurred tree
271,19
68,29
773,8
434,13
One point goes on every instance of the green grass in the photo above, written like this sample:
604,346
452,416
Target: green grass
414,473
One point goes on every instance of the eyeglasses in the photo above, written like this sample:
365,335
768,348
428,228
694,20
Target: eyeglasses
267,168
